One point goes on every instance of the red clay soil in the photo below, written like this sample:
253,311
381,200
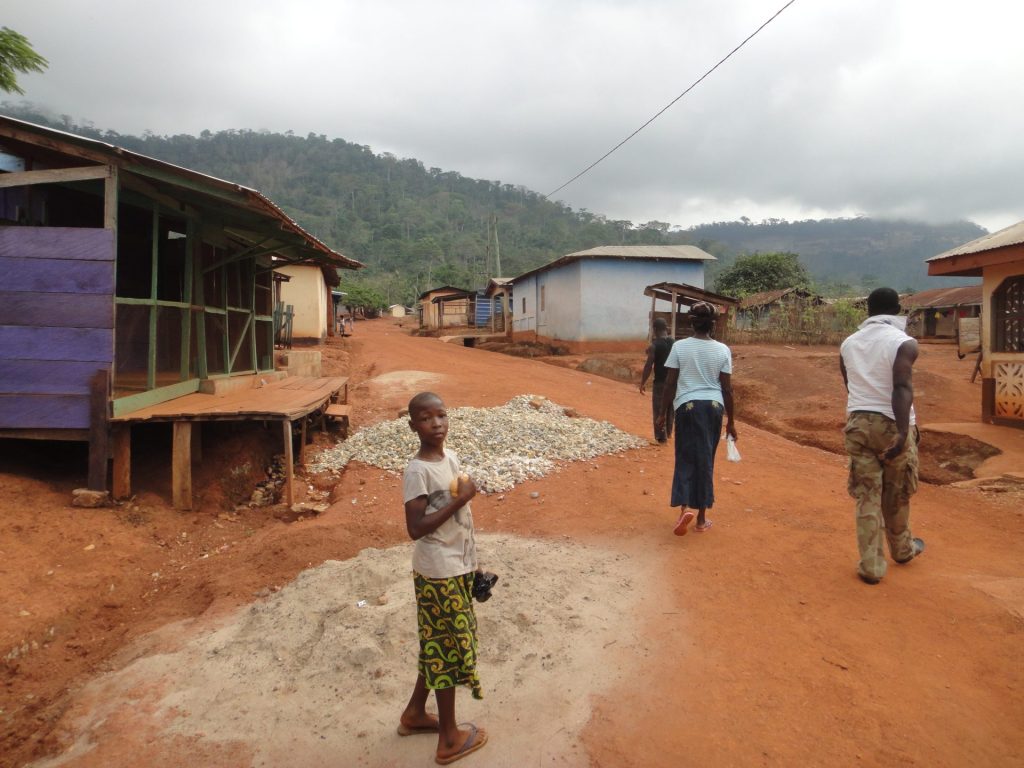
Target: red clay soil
762,647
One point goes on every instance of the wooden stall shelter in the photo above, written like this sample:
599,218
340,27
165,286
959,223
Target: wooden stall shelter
130,283
680,295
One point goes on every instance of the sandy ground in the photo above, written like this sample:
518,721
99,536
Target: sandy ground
141,636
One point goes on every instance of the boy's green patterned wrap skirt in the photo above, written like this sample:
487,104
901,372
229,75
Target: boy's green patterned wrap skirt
447,627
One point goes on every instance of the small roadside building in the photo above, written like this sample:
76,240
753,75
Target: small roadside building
308,292
938,312
594,299
135,290
997,258
445,307
396,310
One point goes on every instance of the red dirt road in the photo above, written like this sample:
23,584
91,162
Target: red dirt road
762,647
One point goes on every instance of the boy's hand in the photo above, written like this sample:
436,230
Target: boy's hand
466,489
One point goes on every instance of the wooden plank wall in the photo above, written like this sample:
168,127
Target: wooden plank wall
56,323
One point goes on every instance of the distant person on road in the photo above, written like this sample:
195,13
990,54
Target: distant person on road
444,563
698,391
657,353
877,364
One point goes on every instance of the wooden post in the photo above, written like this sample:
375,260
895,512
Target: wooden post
302,443
110,200
650,322
674,309
99,446
289,470
122,451
181,465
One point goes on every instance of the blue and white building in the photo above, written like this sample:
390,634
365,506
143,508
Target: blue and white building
595,298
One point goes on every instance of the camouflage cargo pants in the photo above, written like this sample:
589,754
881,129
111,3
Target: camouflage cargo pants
882,490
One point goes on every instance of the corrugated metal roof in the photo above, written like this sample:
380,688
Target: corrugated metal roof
687,294
449,288
246,197
1011,235
943,297
652,252
644,252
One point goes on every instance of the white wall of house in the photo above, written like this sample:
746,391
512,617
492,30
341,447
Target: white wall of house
307,292
614,306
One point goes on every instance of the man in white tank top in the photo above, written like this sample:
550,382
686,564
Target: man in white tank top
881,434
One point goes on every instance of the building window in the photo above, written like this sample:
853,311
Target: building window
542,298
524,305
1008,315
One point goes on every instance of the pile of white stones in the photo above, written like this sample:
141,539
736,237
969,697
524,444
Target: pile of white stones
498,447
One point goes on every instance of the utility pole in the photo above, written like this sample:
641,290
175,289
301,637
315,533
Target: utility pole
497,248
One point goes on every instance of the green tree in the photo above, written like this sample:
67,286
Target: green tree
17,55
358,294
762,272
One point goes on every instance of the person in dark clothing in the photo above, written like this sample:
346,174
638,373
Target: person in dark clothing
657,353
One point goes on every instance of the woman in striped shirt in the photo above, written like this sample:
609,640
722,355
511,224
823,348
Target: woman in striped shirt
698,389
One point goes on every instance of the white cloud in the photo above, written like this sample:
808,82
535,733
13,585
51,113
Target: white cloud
850,106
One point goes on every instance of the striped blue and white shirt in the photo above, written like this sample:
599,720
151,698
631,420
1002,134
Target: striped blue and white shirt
699,361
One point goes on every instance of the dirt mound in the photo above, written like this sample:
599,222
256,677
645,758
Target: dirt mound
333,654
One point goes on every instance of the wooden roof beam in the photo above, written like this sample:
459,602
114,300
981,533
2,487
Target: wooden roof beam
53,176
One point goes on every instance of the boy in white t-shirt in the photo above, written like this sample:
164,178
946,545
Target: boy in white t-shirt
444,565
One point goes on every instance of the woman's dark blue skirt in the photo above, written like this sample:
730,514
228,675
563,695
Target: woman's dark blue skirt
698,430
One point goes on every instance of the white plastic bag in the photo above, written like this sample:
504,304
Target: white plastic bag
732,453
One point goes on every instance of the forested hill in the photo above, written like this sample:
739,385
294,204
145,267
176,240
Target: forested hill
847,256
417,227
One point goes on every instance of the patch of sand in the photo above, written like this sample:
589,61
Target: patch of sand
329,677
413,381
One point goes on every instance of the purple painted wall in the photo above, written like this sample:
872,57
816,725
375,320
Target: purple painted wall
56,323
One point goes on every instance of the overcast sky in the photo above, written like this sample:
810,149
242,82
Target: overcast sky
837,108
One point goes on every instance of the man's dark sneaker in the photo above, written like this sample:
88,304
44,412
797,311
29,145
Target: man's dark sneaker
868,579
918,549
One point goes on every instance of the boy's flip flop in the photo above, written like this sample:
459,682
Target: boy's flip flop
684,521
477,739
702,528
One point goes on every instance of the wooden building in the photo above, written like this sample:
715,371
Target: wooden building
680,298
998,259
130,283
445,307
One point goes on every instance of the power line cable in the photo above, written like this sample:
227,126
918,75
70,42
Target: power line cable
677,98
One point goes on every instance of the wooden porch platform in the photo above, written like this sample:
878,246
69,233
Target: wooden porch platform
286,400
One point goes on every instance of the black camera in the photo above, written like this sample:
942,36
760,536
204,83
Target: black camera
482,583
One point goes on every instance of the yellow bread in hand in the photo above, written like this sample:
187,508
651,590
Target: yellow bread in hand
454,487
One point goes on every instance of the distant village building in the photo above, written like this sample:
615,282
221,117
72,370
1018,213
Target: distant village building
998,259
499,294
396,310
594,299
784,306
445,307
308,291
938,312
